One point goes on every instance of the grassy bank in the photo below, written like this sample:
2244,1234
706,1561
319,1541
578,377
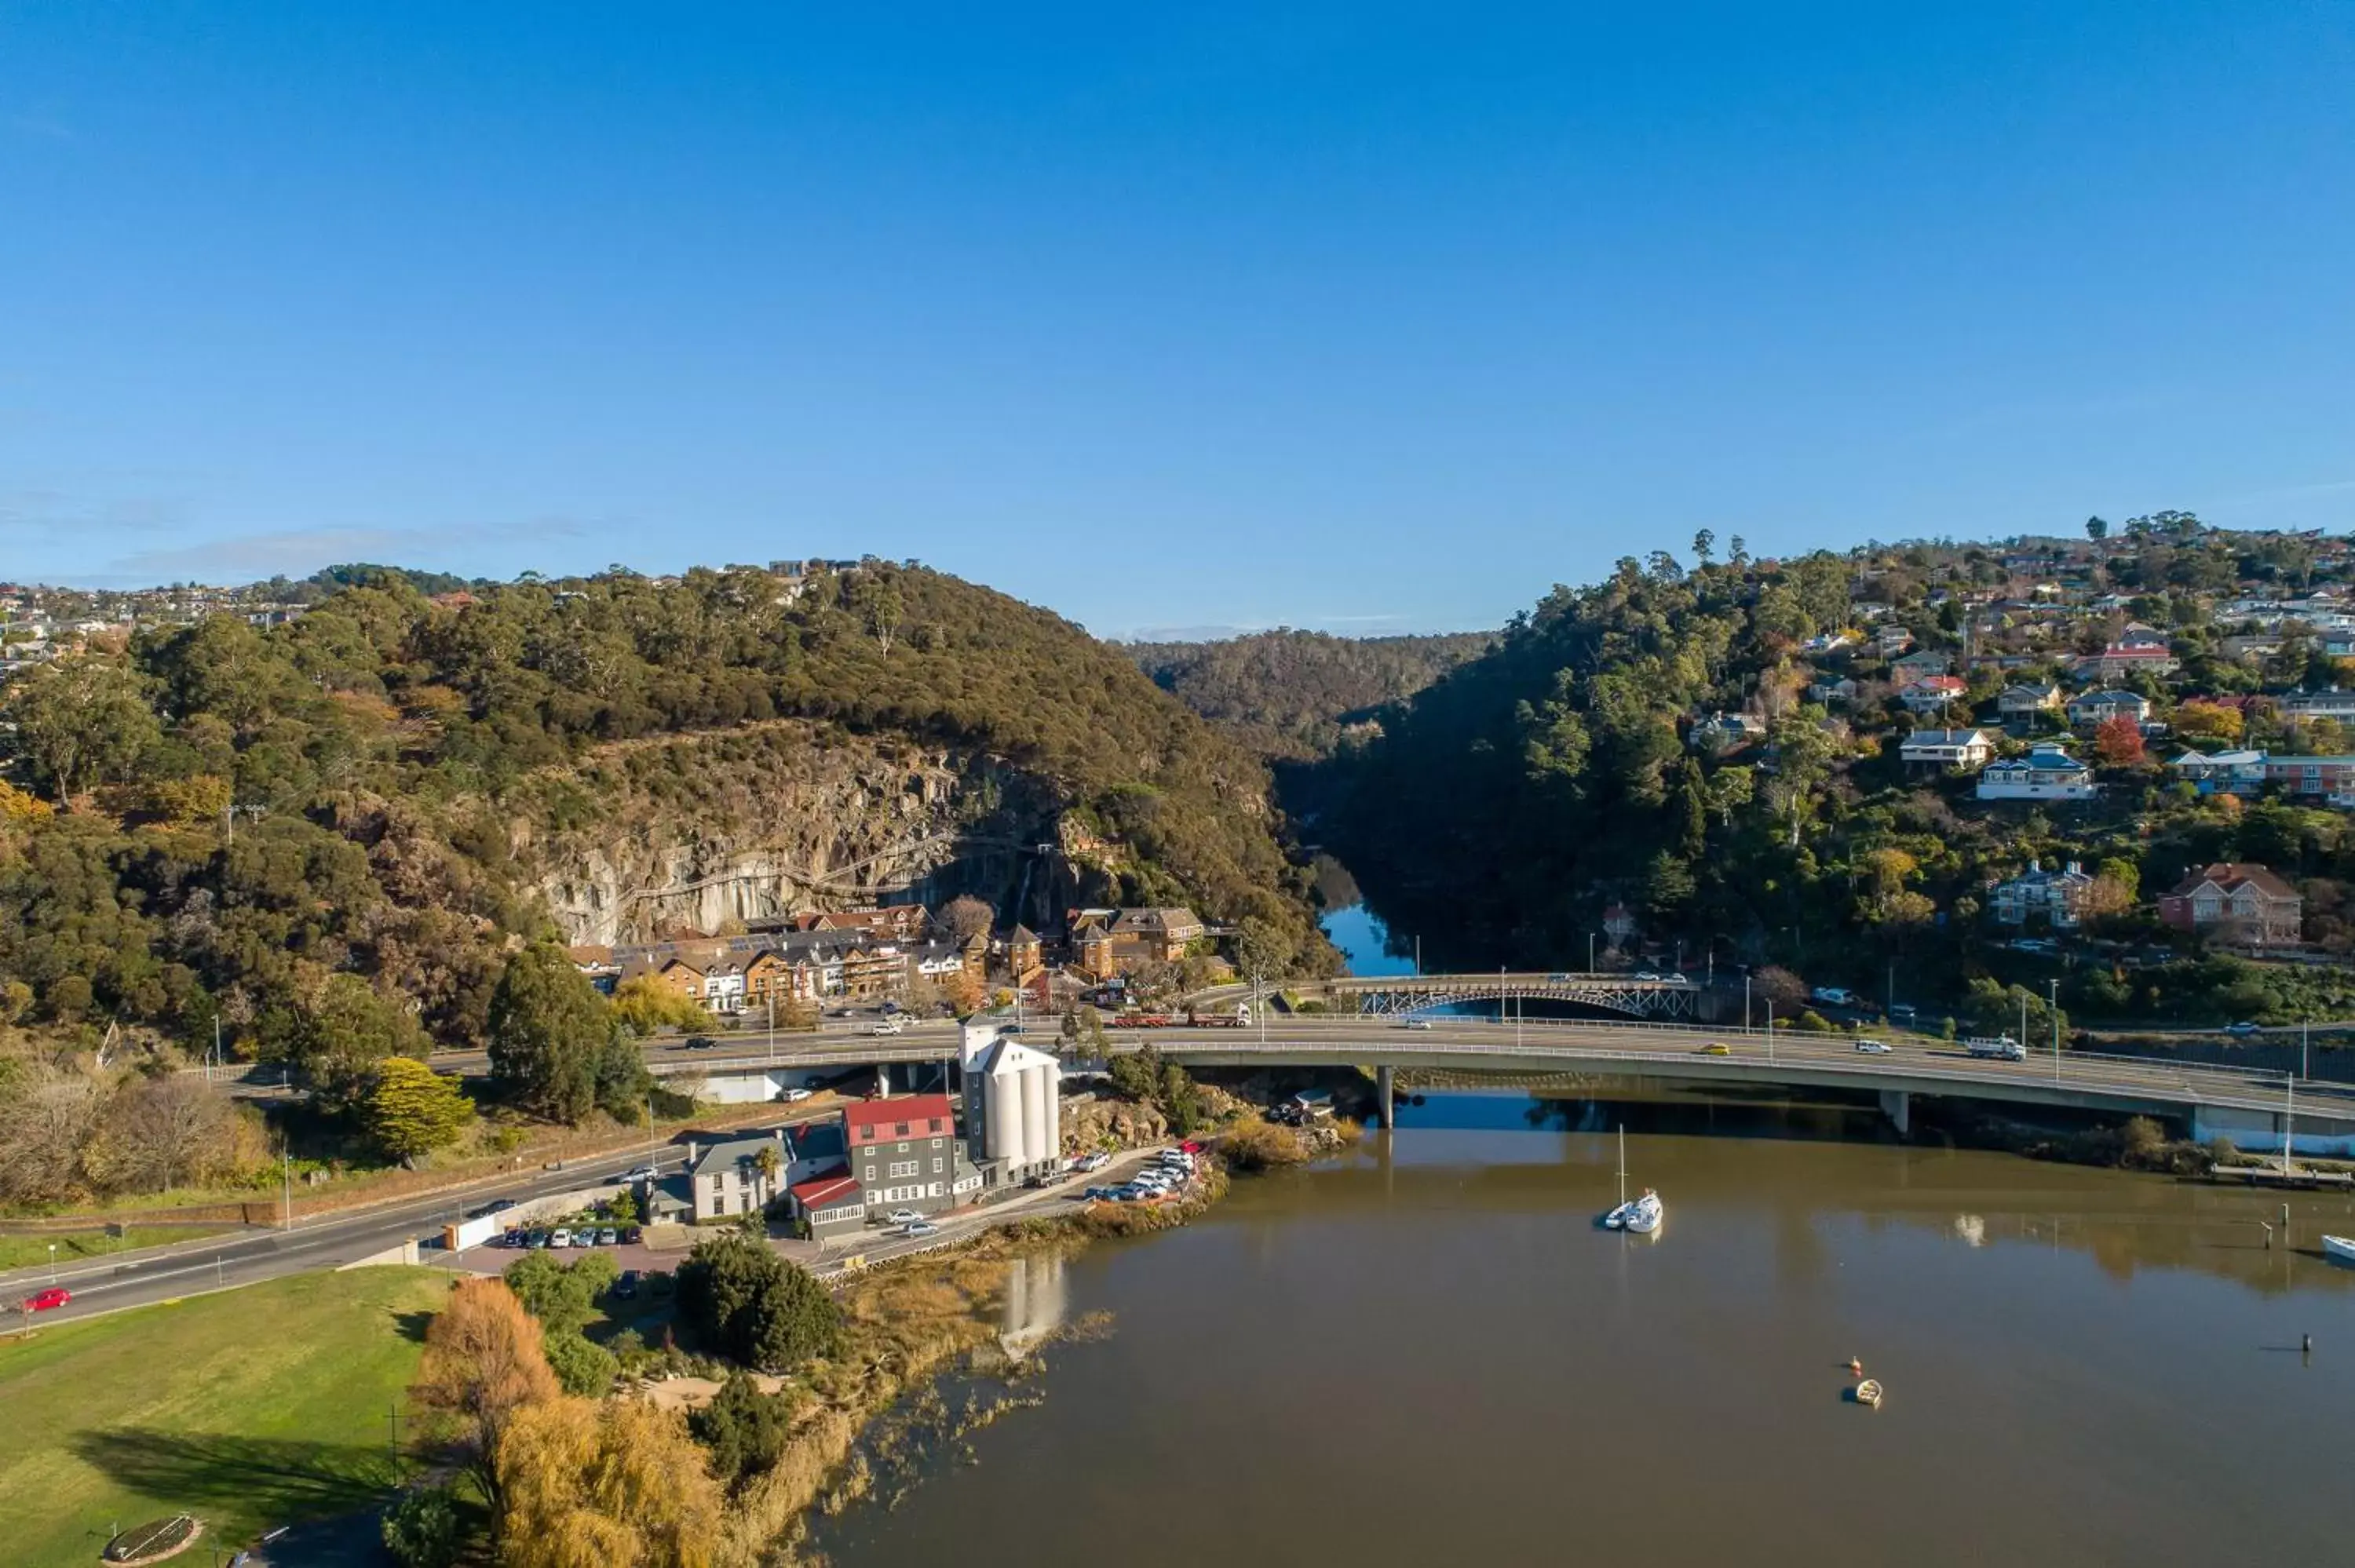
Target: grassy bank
26,1251
249,1408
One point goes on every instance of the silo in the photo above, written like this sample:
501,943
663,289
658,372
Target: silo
1038,1113
1003,1110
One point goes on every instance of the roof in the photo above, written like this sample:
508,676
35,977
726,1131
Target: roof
722,1155
2230,874
1157,921
820,1190
909,1108
1022,933
2047,758
815,1141
1008,1054
1944,737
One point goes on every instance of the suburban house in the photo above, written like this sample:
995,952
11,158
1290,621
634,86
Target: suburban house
1893,639
1946,748
2221,772
728,1178
1023,952
1842,691
2301,706
2046,773
1723,732
2235,902
2087,710
2117,661
825,1207
2056,896
815,1148
1932,692
2026,702
2327,778
1918,667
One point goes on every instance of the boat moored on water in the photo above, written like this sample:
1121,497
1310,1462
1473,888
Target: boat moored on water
1644,1214
2338,1249
1867,1393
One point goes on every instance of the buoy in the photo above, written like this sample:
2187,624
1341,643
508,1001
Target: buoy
1856,1366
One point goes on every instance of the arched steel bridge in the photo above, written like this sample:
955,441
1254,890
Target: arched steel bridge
1666,997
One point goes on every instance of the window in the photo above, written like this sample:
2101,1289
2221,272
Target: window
900,1148
936,1164
903,1168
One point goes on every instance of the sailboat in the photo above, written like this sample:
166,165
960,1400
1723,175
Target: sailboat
1642,1217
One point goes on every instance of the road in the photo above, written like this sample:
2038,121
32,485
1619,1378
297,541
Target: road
242,1257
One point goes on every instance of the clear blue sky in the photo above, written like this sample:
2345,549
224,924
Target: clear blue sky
1361,315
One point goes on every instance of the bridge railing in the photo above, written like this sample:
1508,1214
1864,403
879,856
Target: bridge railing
2153,1081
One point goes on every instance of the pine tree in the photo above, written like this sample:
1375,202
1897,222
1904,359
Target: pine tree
413,1110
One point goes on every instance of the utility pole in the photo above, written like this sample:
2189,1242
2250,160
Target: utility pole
1589,952
1770,1031
2289,1120
286,1175
1745,999
2303,1032
1418,955
2023,1018
769,992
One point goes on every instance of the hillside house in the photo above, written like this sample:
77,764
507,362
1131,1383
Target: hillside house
2221,772
1932,693
1942,748
726,1179
1915,668
2118,662
2057,897
2090,710
2331,779
2235,902
2028,701
2046,773
1721,733
2301,707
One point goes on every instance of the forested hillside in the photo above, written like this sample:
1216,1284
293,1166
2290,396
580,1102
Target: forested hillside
1290,694
341,826
1580,767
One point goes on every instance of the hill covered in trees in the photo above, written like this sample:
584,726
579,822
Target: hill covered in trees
1579,774
344,826
1292,694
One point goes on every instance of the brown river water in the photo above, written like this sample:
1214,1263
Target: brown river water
1427,1353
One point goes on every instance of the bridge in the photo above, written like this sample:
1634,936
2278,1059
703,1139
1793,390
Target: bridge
1664,996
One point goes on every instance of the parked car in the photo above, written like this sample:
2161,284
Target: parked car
1872,1048
609,1236
47,1301
1190,1146
795,1097
536,1239
627,1286
903,1217
1095,1162
632,1234
922,1228
2241,1030
512,1238
559,1238
1097,1194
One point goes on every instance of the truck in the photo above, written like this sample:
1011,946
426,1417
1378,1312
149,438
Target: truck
2002,1047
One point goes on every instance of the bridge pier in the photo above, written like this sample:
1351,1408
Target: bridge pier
882,1080
1897,1104
1383,1090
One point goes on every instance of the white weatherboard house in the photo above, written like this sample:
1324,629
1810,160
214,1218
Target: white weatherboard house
2046,773
1946,748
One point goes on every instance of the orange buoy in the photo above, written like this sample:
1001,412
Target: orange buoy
1856,1366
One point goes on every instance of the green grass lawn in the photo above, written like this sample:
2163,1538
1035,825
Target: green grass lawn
249,1408
26,1251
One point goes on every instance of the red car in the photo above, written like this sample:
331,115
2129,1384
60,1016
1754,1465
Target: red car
45,1300
1191,1147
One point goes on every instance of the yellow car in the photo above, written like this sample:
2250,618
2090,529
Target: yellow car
1712,1048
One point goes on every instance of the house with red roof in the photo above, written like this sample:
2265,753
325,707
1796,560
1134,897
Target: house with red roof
2235,902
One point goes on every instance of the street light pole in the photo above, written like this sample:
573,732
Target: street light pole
1589,952
2304,1031
1745,999
2056,1029
53,1264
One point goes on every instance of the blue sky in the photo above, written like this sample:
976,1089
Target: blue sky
1365,316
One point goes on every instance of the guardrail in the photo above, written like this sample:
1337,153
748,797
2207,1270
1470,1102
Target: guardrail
2160,1084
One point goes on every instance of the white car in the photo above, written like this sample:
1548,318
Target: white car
922,1228
891,1026
640,1173
903,1217
1872,1047
1415,1023
559,1238
795,1097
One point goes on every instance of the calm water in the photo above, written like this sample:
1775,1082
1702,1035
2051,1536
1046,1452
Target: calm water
1433,1357
1363,939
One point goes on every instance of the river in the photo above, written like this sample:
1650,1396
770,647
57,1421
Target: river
1425,1352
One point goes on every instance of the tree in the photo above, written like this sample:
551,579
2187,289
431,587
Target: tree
646,1004
82,721
967,920
562,1296
412,1110
965,991
552,1033
878,602
2117,741
483,1365
2097,529
743,1301
343,1035
589,1485
581,1367
1181,1100
1704,542
422,1528
2209,721
1262,949
768,1162
742,1429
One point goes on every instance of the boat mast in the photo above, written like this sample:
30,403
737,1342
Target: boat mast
1623,1164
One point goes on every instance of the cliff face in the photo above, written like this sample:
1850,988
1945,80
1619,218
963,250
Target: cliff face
695,833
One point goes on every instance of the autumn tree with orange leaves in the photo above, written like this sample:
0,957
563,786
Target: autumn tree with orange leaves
483,1365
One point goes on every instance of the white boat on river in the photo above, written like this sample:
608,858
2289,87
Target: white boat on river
1644,1214
2338,1249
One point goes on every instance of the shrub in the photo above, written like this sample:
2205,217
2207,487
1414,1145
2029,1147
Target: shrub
422,1528
583,1367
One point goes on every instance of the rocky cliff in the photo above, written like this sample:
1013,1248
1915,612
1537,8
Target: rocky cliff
702,833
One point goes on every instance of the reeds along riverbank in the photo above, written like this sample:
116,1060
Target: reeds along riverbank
905,1325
